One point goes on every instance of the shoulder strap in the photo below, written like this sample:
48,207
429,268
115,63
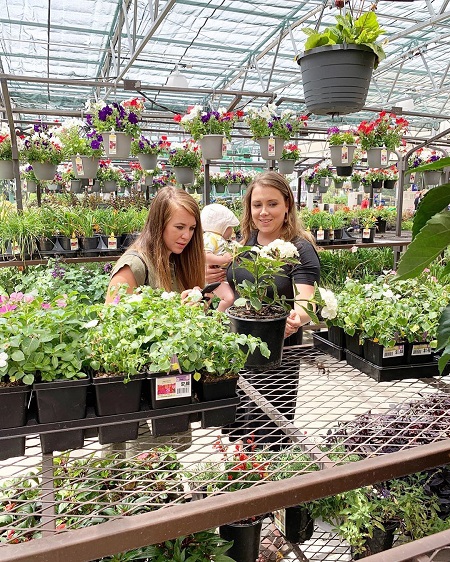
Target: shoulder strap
138,255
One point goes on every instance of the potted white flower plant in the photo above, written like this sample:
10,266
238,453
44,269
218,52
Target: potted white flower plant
185,159
6,165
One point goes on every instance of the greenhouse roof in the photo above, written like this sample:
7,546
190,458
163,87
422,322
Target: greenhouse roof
56,55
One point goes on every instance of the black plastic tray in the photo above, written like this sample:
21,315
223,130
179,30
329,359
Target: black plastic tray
394,373
320,341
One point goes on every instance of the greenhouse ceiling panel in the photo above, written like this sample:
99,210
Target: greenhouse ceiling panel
56,55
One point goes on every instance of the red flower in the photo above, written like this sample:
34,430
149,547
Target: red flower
177,118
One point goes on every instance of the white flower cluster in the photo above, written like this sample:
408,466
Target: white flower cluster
167,296
329,309
3,359
194,296
279,249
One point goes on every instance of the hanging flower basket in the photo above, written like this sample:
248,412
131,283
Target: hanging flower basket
6,170
212,146
116,145
44,172
432,177
286,166
148,161
378,157
85,167
184,175
336,78
271,148
342,155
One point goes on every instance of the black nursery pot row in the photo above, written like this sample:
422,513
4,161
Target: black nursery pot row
68,400
63,245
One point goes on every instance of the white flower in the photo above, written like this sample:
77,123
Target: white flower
166,295
194,296
91,324
354,249
280,249
135,298
3,359
329,310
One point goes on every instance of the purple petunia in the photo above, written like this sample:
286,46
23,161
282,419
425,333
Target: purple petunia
133,118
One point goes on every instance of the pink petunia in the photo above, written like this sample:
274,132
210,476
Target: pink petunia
46,305
16,296
28,297
61,303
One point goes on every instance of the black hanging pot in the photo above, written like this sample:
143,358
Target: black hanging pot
380,541
336,78
344,171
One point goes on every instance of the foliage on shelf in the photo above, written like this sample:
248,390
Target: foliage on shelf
108,172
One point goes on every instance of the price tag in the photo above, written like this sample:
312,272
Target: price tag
74,243
224,146
79,166
394,351
327,181
271,146
421,349
320,234
112,143
112,243
366,233
177,386
384,157
91,181
344,154
331,234
279,520
15,248
412,178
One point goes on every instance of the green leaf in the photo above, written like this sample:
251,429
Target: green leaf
437,165
428,244
444,328
433,202
18,356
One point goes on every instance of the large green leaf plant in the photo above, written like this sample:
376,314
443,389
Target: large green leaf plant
430,238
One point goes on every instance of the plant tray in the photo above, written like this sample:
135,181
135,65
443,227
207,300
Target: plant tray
320,341
393,373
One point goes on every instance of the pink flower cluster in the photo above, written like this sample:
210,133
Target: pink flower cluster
8,303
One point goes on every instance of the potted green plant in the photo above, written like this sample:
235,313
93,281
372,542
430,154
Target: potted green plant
210,128
42,150
342,146
82,145
117,123
44,349
235,179
330,82
270,128
6,164
323,175
185,159
289,156
375,178
355,179
219,181
108,176
380,136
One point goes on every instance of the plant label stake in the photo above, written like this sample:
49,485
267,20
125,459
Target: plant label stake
224,146
366,233
384,157
74,242
344,154
320,234
327,181
271,146
112,242
79,166
112,143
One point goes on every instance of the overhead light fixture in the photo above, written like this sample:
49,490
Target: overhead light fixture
177,80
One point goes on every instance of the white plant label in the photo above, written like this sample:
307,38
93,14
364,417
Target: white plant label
74,243
79,166
421,349
394,351
112,243
224,146
112,143
344,154
384,157
271,146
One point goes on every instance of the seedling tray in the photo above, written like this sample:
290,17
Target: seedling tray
320,341
393,373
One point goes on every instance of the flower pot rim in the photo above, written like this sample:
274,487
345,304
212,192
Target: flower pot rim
48,385
252,316
340,47
106,379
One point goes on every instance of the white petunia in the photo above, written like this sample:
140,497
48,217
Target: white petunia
3,359
91,323
166,295
329,310
194,295
135,298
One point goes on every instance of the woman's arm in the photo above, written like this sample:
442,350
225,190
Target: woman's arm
123,277
298,317
222,260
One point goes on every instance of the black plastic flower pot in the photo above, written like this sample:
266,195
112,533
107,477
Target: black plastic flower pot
344,171
13,413
114,396
167,390
381,225
58,401
418,352
321,235
389,184
384,356
353,345
336,335
380,541
89,242
368,235
269,329
336,78
216,389
246,537
46,244
295,523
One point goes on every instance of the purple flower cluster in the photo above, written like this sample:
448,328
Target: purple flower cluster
333,130
107,268
58,272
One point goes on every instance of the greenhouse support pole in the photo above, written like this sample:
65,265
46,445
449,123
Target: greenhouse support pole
15,151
